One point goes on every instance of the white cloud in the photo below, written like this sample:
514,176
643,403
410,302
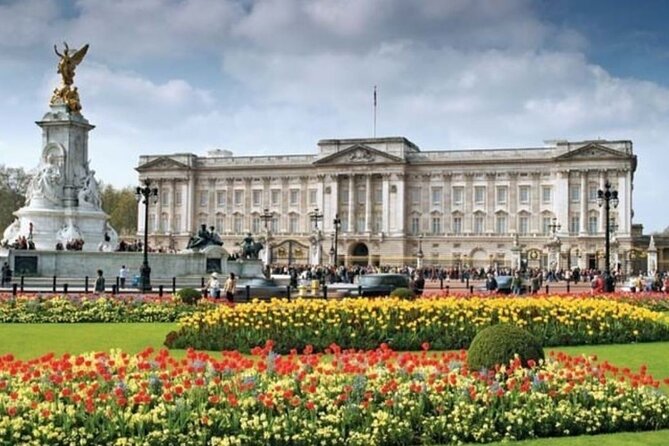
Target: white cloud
450,74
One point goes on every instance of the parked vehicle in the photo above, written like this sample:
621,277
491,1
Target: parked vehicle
372,285
504,285
259,288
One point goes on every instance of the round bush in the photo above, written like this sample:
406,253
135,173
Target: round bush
189,296
498,344
402,293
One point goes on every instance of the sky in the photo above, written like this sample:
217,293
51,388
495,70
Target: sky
276,76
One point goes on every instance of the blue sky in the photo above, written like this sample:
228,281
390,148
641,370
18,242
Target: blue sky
275,76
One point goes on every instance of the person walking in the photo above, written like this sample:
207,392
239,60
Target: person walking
6,274
100,283
122,275
419,284
214,286
229,287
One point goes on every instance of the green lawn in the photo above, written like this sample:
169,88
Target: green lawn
31,340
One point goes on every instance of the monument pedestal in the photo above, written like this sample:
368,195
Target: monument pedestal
63,199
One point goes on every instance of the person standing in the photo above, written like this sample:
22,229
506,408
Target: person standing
419,284
229,287
214,286
100,283
122,275
491,284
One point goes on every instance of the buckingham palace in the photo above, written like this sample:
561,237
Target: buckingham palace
385,201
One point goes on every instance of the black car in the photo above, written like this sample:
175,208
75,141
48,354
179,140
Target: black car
382,284
259,288
504,285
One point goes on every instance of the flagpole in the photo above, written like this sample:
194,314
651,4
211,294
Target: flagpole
374,111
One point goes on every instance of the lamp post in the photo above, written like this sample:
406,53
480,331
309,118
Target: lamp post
317,216
266,217
419,254
607,198
332,251
337,226
146,193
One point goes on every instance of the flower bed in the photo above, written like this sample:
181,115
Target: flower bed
446,323
91,308
366,398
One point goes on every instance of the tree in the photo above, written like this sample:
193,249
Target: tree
13,186
121,206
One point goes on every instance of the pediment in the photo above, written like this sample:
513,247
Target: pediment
360,154
162,163
592,151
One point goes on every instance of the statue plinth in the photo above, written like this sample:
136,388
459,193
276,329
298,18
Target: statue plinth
63,198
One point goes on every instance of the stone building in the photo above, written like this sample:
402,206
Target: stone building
399,204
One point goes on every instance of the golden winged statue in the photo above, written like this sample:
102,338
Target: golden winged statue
66,94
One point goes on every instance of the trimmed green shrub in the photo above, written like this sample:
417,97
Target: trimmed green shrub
402,293
498,344
189,296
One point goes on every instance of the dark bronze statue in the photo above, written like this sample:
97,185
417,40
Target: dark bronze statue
250,248
204,238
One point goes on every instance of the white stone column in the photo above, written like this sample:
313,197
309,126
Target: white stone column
171,206
624,210
583,230
158,206
401,203
334,200
490,202
385,197
468,202
189,203
513,203
229,206
535,203
447,203
561,198
351,203
368,203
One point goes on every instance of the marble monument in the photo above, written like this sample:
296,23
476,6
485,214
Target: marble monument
63,208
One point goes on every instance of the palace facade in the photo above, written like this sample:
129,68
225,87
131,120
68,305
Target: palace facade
398,204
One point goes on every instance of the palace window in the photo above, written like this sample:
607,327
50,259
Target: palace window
457,224
164,222
177,223
592,224
479,224
524,194
458,194
523,225
220,198
177,197
239,197
257,197
414,195
294,197
502,193
437,193
220,223
574,224
574,193
479,195
313,194
238,224
546,194
436,225
204,195
165,197
592,192
545,225
275,197
501,227
415,225
378,195
255,224
293,224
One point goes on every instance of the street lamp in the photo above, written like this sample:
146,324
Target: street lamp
315,216
337,226
147,192
419,254
332,251
266,217
608,198
554,227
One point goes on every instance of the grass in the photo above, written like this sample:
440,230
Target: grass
27,341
